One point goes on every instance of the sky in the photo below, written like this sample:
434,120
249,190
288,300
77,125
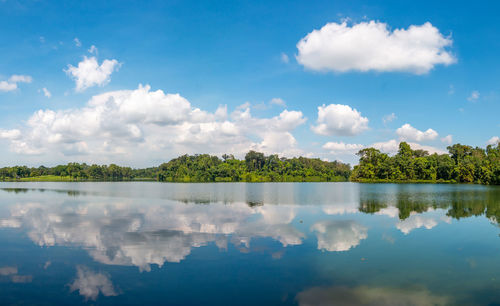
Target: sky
140,82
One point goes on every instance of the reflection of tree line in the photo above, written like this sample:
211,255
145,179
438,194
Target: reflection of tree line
25,190
460,204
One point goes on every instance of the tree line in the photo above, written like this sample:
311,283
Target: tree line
79,172
463,164
255,167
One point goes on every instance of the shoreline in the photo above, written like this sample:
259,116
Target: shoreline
63,179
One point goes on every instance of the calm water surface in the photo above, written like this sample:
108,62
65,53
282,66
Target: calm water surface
249,244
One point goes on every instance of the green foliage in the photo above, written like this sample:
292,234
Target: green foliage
76,172
463,164
256,167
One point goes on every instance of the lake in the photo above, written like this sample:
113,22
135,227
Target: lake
249,244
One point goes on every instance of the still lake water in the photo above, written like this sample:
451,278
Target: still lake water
249,244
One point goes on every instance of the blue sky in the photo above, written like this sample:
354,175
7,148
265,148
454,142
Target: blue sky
227,60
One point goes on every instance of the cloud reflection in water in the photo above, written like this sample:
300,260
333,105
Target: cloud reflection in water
124,233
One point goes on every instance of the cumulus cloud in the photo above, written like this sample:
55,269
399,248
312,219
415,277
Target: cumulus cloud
390,146
474,96
338,236
129,122
10,134
494,140
407,132
89,284
11,83
339,120
372,296
77,42
447,139
89,73
372,46
341,147
7,86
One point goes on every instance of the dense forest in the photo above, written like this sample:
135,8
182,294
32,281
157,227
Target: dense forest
256,167
79,172
463,164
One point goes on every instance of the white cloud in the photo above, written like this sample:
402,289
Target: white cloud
162,232
340,120
278,101
78,43
494,140
11,83
389,118
474,96
7,86
430,149
407,132
20,79
89,284
341,208
10,134
390,146
284,58
338,236
93,49
12,223
415,221
122,125
341,147
391,212
46,92
372,46
89,73
447,139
